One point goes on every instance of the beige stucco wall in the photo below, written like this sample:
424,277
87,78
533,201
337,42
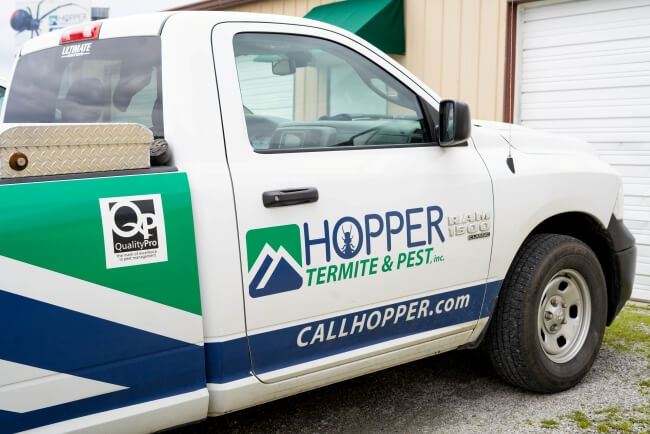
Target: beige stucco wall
457,47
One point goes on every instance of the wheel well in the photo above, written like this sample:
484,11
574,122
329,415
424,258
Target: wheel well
588,230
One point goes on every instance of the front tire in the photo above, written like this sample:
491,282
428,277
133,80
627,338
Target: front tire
549,321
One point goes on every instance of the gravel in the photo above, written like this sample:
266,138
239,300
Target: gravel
456,392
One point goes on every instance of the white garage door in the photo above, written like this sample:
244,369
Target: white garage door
583,69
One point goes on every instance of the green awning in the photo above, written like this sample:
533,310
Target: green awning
380,22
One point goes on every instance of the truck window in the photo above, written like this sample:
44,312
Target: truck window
304,92
112,80
2,96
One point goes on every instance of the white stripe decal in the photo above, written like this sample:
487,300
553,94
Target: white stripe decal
38,388
99,301
150,416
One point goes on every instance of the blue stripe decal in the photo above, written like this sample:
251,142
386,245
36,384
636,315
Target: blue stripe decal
227,361
50,337
150,377
281,348
277,349
62,340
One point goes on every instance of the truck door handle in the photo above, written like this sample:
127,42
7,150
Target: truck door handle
292,196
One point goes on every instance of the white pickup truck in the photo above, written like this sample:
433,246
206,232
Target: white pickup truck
3,88
293,209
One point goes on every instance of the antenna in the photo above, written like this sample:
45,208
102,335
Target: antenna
513,51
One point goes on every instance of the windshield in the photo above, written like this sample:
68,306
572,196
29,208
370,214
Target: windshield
2,96
112,80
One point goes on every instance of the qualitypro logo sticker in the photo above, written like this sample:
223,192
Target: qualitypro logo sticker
345,249
134,230
274,260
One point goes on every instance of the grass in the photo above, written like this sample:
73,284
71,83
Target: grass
630,332
580,419
549,424
615,420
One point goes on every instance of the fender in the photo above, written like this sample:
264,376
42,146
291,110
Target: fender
544,185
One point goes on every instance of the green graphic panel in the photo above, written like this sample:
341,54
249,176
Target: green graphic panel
58,226
287,236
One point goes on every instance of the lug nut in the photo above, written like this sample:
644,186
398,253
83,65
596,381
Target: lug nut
553,327
553,302
548,315
564,305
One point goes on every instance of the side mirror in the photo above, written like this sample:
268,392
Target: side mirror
455,123
284,66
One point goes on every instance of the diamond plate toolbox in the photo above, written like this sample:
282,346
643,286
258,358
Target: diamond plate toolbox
63,149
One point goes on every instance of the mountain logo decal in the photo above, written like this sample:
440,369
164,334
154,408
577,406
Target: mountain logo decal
274,260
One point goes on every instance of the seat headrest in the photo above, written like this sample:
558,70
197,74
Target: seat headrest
84,102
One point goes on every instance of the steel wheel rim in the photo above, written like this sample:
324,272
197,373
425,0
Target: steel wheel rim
564,315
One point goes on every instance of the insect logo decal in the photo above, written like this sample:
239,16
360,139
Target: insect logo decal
348,241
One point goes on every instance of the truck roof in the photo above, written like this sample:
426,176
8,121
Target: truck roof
200,22
133,25
152,24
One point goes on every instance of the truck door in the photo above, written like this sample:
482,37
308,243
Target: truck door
358,234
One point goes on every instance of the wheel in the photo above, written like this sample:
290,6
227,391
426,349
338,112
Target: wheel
549,321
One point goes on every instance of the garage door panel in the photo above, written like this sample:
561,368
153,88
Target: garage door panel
603,135
630,171
574,111
644,269
633,160
587,95
639,217
637,201
635,186
583,38
572,27
617,147
643,238
610,18
638,63
623,80
558,103
630,124
597,55
633,228
604,49
639,187
643,249
644,280
580,8
641,292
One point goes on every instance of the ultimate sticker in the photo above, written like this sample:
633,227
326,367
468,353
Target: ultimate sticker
134,230
76,50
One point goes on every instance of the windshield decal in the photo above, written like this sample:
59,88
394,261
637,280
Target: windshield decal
76,50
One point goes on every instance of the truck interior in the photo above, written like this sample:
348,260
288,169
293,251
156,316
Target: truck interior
304,92
118,80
